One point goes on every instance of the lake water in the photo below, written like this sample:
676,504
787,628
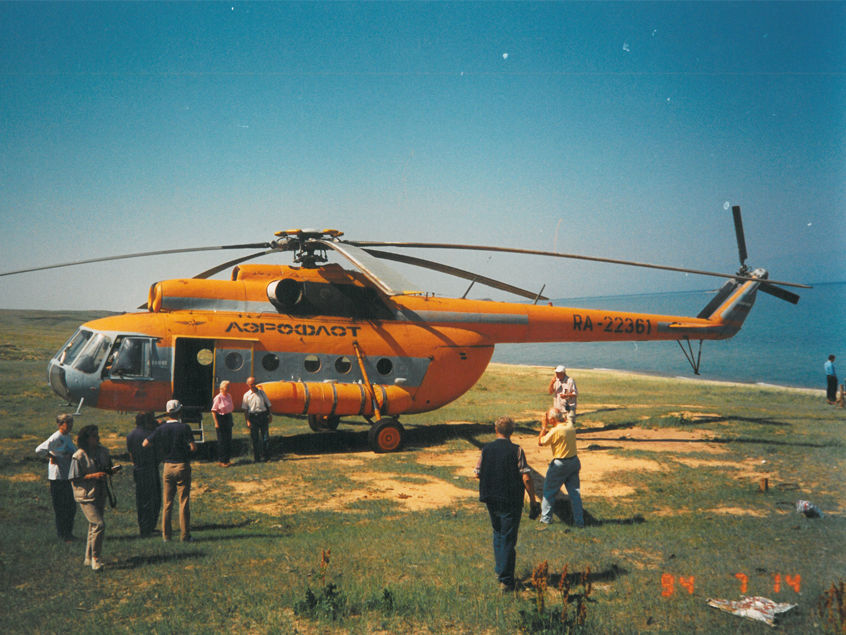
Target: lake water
780,343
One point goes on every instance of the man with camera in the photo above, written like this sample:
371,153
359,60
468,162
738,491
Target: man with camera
564,394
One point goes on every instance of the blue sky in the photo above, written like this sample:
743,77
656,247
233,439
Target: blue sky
614,129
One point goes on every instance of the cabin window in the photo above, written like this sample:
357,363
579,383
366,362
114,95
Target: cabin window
343,365
205,357
270,362
311,363
74,345
384,366
234,360
132,358
93,354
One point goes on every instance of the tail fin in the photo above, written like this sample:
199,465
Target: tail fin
732,303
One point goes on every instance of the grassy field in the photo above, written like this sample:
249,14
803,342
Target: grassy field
333,538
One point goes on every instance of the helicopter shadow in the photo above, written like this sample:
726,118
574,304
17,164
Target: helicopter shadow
352,441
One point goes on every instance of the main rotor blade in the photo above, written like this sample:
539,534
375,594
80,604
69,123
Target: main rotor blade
208,273
556,254
383,278
782,294
738,231
142,254
453,271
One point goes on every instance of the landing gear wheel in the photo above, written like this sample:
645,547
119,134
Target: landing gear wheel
386,435
319,423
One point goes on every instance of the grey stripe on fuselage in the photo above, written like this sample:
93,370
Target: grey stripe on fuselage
177,303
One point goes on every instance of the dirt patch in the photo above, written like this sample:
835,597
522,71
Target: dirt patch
412,492
639,558
750,468
601,469
738,511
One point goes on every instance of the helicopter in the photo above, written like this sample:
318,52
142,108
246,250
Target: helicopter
328,342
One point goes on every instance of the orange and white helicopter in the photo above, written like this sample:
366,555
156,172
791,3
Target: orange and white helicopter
328,342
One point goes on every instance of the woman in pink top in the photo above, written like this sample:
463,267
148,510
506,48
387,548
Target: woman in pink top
221,410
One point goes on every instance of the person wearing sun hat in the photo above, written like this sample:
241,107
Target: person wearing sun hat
564,396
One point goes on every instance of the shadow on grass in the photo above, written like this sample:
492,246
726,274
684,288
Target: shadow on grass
157,534
564,511
606,575
755,440
763,421
135,562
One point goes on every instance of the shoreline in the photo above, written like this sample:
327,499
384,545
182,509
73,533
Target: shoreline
698,380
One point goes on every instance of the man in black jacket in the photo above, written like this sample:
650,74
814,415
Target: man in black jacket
503,477
175,441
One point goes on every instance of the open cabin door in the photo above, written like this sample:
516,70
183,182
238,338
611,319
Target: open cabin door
193,377
199,367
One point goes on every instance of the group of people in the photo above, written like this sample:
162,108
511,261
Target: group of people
256,407
81,472
505,476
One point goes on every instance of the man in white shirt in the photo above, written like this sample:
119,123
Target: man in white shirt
256,407
59,449
564,395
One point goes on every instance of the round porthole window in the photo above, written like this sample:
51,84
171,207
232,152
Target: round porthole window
270,362
311,363
343,365
205,357
234,360
384,366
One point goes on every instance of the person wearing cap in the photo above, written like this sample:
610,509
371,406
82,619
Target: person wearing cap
564,395
256,407
562,470
174,442
58,450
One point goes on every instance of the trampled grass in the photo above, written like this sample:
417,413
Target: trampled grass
671,485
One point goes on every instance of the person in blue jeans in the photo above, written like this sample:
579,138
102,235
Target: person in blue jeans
503,477
564,467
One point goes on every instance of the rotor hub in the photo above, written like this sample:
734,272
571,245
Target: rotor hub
307,245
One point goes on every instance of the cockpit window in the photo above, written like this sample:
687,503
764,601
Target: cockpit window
93,353
132,358
70,350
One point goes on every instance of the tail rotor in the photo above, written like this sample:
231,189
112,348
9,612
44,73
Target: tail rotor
766,287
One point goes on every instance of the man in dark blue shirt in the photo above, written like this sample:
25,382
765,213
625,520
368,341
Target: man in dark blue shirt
148,484
503,477
831,380
174,442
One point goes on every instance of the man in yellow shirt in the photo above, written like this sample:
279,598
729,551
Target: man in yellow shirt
563,469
